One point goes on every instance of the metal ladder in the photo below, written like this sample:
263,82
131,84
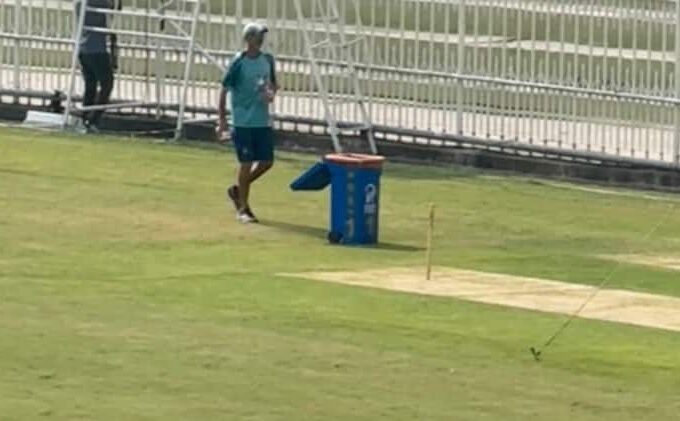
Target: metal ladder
187,11
324,18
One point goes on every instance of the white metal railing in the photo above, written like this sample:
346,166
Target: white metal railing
594,76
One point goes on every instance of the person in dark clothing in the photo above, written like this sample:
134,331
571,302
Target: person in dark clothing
97,64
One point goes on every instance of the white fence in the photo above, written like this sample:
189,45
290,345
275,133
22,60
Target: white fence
594,78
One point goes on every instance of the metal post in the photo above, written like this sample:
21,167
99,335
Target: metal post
17,45
77,35
238,28
160,63
187,71
160,78
676,139
461,66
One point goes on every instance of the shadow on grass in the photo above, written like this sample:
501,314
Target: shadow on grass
321,234
295,228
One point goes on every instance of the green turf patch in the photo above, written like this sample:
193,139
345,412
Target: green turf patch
128,291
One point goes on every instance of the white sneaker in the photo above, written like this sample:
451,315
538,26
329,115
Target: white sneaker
245,218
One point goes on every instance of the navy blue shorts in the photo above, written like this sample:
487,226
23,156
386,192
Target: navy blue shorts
254,144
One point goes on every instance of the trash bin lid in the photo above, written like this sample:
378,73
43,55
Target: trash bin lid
356,160
315,178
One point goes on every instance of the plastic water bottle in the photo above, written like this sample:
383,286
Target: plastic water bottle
264,89
261,85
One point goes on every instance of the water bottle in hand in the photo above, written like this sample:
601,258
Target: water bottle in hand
266,90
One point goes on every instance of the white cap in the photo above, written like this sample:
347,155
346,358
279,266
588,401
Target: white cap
254,28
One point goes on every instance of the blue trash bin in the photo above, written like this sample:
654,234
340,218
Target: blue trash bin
355,195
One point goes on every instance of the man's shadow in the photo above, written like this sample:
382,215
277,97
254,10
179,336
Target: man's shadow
321,234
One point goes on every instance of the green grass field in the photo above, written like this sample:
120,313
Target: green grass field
128,291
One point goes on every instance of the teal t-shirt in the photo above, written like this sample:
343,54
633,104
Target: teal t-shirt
246,80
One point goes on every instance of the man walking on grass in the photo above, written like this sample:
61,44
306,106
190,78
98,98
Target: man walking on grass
251,79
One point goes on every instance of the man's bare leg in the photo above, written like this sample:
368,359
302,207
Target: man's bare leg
244,176
259,169
247,174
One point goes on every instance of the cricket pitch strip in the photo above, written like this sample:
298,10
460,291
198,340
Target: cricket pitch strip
620,306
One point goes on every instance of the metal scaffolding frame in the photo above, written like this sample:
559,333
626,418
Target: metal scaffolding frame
188,11
339,48
597,80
